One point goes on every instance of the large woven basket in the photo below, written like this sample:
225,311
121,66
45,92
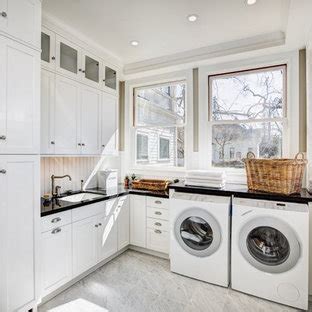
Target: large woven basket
151,184
283,176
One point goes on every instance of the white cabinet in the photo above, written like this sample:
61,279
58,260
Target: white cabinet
157,240
19,231
56,258
21,19
138,220
48,49
90,120
19,98
109,127
123,221
85,246
66,116
91,69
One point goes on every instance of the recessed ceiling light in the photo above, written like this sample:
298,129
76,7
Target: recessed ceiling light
251,2
134,43
192,18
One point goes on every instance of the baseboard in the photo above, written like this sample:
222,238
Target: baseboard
149,252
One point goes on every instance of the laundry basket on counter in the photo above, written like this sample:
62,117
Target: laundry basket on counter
283,176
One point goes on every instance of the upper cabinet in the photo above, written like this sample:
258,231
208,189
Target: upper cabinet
19,98
69,59
21,19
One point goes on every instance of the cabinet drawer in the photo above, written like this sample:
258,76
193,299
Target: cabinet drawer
157,202
157,213
56,220
158,240
88,211
157,224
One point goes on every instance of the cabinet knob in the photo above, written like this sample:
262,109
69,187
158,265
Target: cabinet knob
52,142
82,144
103,80
103,145
157,231
3,171
83,71
100,224
4,14
79,144
80,69
96,225
53,58
2,137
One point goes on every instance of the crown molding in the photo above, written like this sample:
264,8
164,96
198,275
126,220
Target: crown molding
229,48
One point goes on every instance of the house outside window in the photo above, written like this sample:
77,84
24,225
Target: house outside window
247,112
159,114
142,147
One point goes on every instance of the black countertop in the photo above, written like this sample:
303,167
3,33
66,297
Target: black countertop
58,205
242,192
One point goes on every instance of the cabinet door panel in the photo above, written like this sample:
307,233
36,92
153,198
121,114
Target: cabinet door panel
107,237
90,127
84,245
19,213
47,112
66,116
23,20
110,81
19,110
47,48
158,240
56,258
122,214
109,124
138,220
91,70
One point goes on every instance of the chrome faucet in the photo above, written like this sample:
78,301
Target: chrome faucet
55,190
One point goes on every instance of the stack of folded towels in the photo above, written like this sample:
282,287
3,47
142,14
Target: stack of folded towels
206,178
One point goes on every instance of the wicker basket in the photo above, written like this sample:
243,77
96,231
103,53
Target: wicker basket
283,176
151,185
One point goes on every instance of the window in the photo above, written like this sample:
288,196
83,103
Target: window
142,147
164,148
247,112
159,114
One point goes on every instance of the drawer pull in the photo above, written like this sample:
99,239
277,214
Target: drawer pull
157,231
55,220
55,231
158,213
157,202
157,223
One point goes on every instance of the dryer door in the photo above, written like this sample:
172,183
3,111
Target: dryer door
269,245
197,232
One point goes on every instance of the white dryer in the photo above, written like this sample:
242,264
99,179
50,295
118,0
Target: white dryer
270,246
199,237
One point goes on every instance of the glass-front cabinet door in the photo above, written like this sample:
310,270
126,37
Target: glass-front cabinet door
67,58
47,48
91,70
110,79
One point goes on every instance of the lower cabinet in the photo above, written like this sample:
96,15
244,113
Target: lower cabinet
157,240
123,221
56,258
138,220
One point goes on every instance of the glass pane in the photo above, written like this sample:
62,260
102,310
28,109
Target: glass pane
268,245
142,147
160,105
45,47
69,58
248,95
164,148
91,69
232,142
110,78
196,233
174,152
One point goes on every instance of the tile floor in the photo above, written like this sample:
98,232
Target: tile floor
135,282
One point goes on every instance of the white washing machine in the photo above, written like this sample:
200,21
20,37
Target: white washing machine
270,246
199,237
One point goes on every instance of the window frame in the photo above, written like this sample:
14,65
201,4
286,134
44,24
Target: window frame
283,120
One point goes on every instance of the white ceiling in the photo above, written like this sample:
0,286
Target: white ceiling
161,26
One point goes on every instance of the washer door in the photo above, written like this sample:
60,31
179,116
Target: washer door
197,232
269,245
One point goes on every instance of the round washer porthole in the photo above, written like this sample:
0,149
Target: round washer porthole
198,232
269,245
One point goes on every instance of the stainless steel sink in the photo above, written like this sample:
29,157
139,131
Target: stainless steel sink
76,198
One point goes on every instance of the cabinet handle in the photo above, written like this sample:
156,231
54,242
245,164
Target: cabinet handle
157,223
157,202
80,69
4,14
79,144
3,171
52,142
82,144
158,213
96,225
57,230
53,58
2,137
157,231
58,219
100,224
103,145
103,80
83,71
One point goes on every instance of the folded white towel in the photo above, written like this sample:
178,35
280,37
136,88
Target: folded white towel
206,173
